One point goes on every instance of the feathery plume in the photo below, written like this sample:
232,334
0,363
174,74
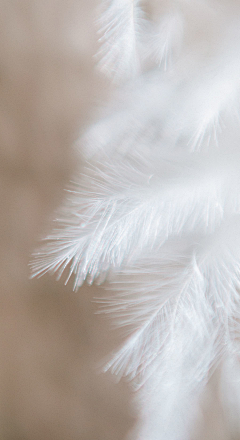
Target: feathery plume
157,211
120,28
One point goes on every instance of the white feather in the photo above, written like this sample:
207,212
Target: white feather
165,39
120,28
185,310
157,211
133,206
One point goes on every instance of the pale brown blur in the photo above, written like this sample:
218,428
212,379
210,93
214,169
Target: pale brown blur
50,339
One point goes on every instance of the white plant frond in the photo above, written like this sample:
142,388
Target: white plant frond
120,27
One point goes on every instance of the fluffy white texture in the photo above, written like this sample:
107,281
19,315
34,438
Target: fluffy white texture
185,310
120,28
130,208
157,210
165,40
199,299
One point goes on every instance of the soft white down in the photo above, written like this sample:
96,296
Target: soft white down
156,212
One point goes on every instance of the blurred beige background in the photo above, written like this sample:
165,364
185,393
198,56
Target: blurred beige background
50,339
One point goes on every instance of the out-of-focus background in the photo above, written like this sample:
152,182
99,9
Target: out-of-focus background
50,339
